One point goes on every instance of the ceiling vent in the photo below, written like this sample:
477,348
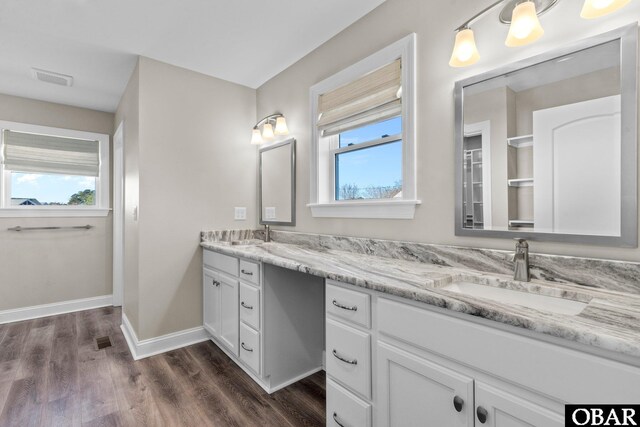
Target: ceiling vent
51,77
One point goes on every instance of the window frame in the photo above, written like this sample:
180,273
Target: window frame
335,151
100,209
322,162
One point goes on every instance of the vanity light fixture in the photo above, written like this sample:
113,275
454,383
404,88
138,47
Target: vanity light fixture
524,25
268,132
597,8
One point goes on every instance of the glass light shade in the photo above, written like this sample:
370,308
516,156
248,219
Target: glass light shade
267,131
281,126
597,8
256,138
465,51
525,25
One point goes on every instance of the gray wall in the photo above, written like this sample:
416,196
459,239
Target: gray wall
44,267
192,165
433,22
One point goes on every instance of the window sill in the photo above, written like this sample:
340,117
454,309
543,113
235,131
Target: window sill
387,209
53,212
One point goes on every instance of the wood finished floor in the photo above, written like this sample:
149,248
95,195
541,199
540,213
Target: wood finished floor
51,374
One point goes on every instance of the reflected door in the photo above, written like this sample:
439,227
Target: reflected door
576,164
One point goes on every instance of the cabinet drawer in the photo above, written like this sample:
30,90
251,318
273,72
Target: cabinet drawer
349,357
250,305
349,305
221,262
344,409
250,271
250,347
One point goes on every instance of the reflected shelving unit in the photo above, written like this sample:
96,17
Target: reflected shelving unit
520,181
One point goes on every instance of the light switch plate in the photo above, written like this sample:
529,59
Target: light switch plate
270,213
240,213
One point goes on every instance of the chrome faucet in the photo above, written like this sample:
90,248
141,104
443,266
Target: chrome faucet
267,233
521,261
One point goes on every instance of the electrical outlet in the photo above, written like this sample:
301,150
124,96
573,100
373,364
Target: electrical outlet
240,214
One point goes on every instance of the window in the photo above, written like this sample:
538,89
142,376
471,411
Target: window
52,172
362,159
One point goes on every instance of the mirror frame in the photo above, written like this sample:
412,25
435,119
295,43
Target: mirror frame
628,37
292,146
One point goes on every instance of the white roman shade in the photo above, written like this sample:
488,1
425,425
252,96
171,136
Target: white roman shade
374,97
34,153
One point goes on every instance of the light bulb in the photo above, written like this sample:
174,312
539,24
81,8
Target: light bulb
597,8
525,26
465,51
267,131
281,126
256,138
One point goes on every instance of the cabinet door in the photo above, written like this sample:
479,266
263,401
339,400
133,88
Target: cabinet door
497,408
211,301
229,316
413,391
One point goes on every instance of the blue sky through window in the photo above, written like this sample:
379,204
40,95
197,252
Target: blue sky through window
49,188
373,172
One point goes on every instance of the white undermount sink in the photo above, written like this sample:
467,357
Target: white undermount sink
509,296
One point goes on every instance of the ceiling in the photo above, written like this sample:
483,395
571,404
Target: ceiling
97,41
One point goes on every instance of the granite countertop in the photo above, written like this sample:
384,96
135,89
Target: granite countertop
610,321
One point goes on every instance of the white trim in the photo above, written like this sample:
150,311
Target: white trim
405,49
118,216
387,209
102,181
45,310
484,130
162,344
295,379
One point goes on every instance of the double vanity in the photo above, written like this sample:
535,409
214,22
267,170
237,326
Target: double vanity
485,349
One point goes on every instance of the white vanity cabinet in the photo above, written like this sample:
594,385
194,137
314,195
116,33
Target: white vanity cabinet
422,365
348,356
269,320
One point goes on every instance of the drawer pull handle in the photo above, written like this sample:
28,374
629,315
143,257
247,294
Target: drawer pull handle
482,414
350,362
248,307
345,307
248,273
335,418
458,403
250,350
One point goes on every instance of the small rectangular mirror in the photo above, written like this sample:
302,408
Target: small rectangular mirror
546,148
277,183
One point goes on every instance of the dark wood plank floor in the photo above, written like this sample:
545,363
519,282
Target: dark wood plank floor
52,374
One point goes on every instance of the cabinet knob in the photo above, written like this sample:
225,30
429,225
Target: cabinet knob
216,283
458,403
482,414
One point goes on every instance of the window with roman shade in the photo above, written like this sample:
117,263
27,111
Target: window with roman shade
372,98
49,172
363,138
33,153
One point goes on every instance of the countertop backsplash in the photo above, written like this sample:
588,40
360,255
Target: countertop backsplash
618,276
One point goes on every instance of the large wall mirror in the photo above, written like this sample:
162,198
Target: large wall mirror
278,184
546,149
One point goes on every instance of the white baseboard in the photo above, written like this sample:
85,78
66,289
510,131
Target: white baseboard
44,310
152,346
